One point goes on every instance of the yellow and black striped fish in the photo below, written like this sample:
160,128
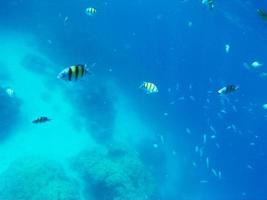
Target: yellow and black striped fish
149,87
73,72
90,11
41,120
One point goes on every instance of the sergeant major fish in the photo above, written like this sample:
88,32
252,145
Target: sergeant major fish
90,11
73,72
149,87
41,120
228,89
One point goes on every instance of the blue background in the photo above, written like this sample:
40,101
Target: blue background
152,41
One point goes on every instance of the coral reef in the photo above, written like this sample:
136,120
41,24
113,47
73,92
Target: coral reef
100,174
37,179
114,174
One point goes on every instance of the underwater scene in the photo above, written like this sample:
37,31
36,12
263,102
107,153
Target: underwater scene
133,100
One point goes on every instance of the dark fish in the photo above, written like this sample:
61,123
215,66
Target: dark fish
262,14
228,89
41,120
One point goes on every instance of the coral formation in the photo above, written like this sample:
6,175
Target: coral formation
115,174
37,179
100,174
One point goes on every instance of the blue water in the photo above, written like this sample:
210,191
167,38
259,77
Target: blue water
108,139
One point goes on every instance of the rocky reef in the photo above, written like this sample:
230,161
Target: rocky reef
114,174
37,179
101,174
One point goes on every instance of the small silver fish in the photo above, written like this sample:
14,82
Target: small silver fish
256,64
219,175
212,129
196,149
188,131
227,48
214,172
207,162
264,106
204,139
10,92
203,181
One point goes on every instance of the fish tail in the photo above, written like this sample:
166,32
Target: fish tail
142,85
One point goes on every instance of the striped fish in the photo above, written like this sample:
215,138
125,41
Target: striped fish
228,89
73,72
41,120
90,11
149,87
